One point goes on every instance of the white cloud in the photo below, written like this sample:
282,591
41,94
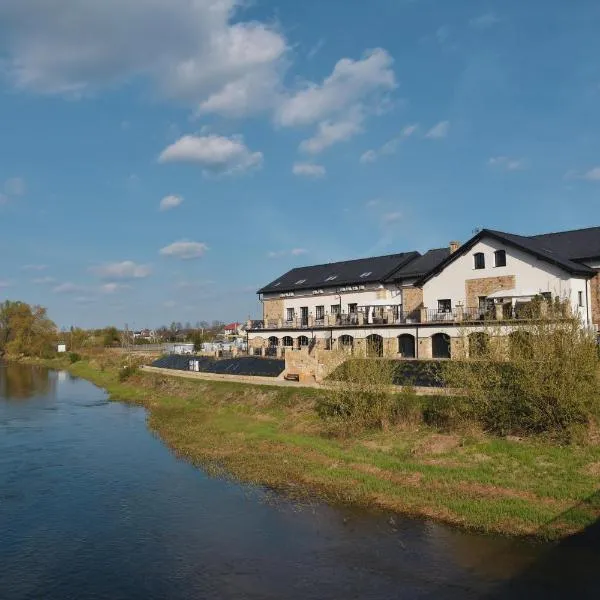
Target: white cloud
332,132
391,217
593,174
351,82
484,21
507,163
215,153
185,249
112,288
373,202
439,131
369,156
390,146
15,186
69,288
34,267
3,199
43,280
199,52
169,202
84,300
4,283
122,271
308,170
292,252
170,304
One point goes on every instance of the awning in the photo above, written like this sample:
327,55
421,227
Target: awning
381,303
513,293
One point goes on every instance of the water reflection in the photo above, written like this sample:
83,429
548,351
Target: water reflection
18,382
92,505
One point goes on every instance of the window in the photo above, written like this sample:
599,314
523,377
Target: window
289,314
352,308
331,278
300,281
288,341
319,313
500,258
547,296
366,274
445,305
580,298
335,309
479,259
277,284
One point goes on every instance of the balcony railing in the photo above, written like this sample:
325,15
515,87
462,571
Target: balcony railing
399,317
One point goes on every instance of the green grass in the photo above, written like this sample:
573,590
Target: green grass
271,436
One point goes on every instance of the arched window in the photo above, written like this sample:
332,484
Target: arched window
288,341
303,341
479,344
374,345
406,345
346,342
440,345
273,341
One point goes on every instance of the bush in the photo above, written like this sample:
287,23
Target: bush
543,378
127,371
74,357
362,397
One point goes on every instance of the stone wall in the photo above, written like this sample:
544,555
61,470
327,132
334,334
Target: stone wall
273,309
412,298
595,299
257,342
474,288
424,350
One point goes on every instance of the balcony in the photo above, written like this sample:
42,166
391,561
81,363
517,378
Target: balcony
394,318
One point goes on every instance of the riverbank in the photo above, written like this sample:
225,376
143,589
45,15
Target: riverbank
271,436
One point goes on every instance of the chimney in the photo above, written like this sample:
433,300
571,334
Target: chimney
454,246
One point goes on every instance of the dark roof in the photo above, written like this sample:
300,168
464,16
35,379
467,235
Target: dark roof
422,264
362,270
575,245
532,246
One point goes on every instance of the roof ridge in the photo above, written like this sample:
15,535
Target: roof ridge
339,262
536,235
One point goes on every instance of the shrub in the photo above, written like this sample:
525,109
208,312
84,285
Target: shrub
362,397
74,357
127,371
543,378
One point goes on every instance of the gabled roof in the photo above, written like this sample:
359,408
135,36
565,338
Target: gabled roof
532,246
577,244
363,270
421,265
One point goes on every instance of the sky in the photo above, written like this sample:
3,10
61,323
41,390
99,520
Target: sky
160,160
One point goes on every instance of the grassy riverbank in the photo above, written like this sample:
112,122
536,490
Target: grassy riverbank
271,436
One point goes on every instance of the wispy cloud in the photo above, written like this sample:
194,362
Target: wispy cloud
592,174
34,267
4,283
439,131
390,146
15,186
121,271
112,288
185,250
292,252
391,217
507,163
309,170
69,288
43,280
484,21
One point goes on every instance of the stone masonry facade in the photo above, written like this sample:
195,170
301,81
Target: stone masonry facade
474,288
273,309
412,299
595,299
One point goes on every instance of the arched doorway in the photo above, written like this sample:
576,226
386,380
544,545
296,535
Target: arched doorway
272,344
479,344
346,343
288,342
440,345
303,341
273,341
406,345
374,345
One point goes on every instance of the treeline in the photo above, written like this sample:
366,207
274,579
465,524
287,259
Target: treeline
26,330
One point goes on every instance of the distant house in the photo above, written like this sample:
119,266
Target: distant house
232,329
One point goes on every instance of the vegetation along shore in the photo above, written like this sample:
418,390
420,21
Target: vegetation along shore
525,486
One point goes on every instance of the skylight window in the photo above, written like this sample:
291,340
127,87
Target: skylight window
277,284
366,274
331,278
300,281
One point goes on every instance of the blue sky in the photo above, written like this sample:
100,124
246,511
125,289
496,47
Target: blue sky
161,160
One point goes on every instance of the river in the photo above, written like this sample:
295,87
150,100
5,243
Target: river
94,506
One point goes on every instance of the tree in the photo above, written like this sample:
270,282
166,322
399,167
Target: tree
26,330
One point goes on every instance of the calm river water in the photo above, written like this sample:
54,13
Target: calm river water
93,506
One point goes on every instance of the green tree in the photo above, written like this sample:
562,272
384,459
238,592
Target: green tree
26,330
